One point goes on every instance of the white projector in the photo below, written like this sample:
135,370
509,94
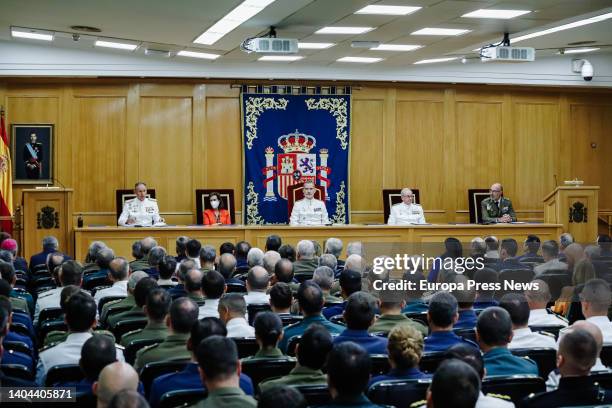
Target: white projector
508,54
266,45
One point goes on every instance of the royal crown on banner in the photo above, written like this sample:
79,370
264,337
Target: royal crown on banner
295,165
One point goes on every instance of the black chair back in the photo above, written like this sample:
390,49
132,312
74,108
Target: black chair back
290,319
315,394
606,356
135,345
380,364
254,308
603,378
20,328
86,400
233,287
181,398
127,325
293,342
430,361
338,319
419,317
152,370
63,373
545,358
516,387
398,393
263,368
90,283
554,330
107,299
469,334
49,326
18,346
247,346
18,371
51,313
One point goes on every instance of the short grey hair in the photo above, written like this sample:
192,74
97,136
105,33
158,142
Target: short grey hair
354,248
208,253
156,254
94,248
541,294
333,246
6,256
566,239
356,263
328,260
478,245
270,259
147,244
406,192
234,303
255,257
135,277
324,277
185,266
592,251
50,242
305,249
105,256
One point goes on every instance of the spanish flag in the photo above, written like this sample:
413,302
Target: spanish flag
6,180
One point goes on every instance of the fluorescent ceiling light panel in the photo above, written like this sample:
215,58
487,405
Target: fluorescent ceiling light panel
396,47
118,45
344,30
578,50
243,12
193,54
388,10
440,31
314,46
284,58
432,61
363,60
493,13
30,34
563,27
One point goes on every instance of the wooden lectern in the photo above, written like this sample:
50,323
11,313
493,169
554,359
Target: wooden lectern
575,208
46,211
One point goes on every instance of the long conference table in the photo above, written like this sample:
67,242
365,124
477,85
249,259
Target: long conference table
423,236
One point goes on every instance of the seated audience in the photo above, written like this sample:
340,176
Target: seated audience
103,260
492,247
465,302
324,277
213,287
227,248
273,242
220,372
118,271
333,246
565,240
455,384
179,289
268,332
531,248
453,250
5,380
240,252
391,305
595,302
232,310
156,309
156,254
283,272
192,250
129,301
50,245
167,267
473,358
281,299
291,397
139,263
310,302
442,315
348,390
576,355
183,315
81,318
115,377
181,248
306,261
350,282
507,256
522,337
414,298
331,262
286,251
537,298
128,399
605,243
405,347
486,277
11,245
14,357
270,259
255,257
359,316
311,351
550,256
189,377
20,300
193,285
227,267
494,333
70,273
257,284
141,291
208,256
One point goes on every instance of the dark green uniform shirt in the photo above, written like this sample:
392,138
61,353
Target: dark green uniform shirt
228,397
152,331
385,323
266,353
59,336
140,264
135,311
174,347
490,211
298,376
112,305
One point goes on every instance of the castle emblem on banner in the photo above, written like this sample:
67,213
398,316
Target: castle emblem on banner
295,165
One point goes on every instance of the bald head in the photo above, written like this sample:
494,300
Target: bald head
577,353
257,279
113,378
539,296
591,328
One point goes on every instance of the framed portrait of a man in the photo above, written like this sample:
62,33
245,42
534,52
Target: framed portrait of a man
32,153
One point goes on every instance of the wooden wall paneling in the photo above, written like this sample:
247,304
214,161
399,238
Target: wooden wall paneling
450,158
366,160
165,154
132,137
200,137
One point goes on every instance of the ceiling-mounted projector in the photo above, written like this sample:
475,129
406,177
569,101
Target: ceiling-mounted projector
508,54
267,45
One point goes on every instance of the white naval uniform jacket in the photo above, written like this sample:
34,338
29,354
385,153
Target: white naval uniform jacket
309,212
145,212
404,214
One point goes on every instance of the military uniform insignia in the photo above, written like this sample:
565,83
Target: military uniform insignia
578,212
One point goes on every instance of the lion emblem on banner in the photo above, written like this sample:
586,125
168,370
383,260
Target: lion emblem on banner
296,164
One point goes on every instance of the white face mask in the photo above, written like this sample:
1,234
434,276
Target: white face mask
214,204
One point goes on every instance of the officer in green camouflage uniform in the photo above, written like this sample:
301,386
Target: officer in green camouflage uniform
497,208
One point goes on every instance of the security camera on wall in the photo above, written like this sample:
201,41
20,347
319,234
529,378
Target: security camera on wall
584,67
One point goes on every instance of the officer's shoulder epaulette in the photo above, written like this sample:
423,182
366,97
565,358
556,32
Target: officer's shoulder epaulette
131,332
545,333
500,396
152,199
418,404
147,348
120,347
111,303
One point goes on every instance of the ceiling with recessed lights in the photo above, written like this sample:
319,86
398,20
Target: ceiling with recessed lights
174,26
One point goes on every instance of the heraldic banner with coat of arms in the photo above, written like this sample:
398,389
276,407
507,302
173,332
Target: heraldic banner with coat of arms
289,139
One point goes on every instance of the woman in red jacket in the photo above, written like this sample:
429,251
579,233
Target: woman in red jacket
218,215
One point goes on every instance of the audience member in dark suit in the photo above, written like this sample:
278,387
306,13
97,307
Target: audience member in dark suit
577,354
49,245
455,384
189,378
359,316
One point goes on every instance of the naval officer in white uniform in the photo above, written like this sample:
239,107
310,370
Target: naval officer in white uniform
309,210
140,210
406,212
